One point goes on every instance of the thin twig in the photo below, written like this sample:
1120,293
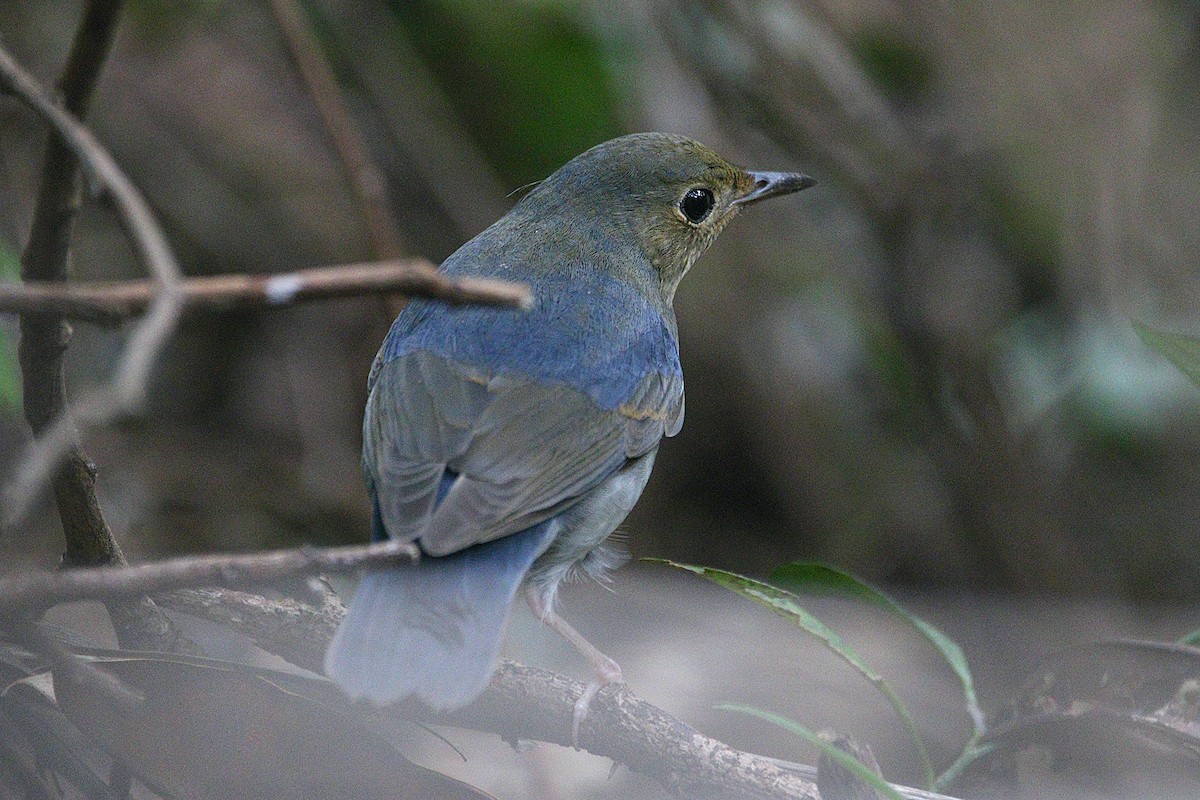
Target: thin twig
44,339
31,592
366,178
111,303
421,120
133,212
126,391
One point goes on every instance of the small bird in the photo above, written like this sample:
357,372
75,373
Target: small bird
508,446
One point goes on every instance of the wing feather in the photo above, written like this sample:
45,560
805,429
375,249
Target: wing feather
523,450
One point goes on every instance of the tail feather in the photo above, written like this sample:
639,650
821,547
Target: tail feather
433,629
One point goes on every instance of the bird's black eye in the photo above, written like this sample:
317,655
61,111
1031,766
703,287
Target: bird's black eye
696,204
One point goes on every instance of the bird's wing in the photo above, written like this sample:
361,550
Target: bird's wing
653,411
420,415
523,450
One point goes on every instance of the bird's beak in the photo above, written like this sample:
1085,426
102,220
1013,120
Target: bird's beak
770,184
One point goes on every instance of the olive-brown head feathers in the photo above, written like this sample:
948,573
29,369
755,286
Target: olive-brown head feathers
670,196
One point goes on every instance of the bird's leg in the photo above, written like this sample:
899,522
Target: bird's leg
605,671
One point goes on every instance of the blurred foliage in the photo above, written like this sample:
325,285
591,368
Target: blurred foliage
933,388
901,68
10,369
886,358
530,82
1030,232
160,20
250,732
1182,351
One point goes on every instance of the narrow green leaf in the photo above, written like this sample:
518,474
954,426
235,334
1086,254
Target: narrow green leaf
1191,640
860,770
811,577
969,755
10,377
1182,351
10,263
788,606
10,371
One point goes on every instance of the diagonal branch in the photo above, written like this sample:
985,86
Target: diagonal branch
522,703
112,303
366,179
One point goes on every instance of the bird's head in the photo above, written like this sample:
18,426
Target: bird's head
671,194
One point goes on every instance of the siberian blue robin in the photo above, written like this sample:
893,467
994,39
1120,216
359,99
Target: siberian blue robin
510,445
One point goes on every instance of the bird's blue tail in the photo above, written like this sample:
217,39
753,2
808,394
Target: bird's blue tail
433,629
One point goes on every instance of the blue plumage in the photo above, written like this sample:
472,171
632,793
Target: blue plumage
434,629
559,341
509,446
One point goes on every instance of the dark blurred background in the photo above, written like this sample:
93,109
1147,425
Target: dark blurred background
923,370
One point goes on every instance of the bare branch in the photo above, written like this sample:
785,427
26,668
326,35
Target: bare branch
532,704
110,303
527,703
44,339
37,591
45,258
295,631
367,180
132,209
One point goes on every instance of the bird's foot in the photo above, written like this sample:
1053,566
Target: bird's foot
605,672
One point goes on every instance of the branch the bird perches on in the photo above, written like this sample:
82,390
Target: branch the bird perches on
522,703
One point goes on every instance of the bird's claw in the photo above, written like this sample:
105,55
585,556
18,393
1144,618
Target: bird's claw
605,672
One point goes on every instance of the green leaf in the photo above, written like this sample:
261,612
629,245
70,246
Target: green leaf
860,770
10,263
1182,351
500,63
1191,640
788,606
10,370
969,755
812,577
10,377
